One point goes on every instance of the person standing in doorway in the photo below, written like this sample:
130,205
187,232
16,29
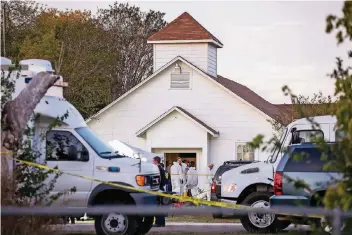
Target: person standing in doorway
210,180
160,219
192,179
177,177
168,166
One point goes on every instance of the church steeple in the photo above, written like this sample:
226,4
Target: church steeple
186,37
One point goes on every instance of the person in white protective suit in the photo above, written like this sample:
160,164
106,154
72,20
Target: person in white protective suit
210,176
178,179
192,180
207,183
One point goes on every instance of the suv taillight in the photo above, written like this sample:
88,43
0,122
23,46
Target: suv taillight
213,187
278,183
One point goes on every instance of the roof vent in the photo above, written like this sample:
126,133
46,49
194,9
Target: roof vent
180,81
36,66
5,61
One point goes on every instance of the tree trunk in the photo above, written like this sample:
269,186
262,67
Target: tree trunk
17,113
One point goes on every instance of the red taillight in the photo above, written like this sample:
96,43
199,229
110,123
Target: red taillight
213,188
278,183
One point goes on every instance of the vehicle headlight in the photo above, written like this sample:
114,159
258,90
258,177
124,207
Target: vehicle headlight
230,188
141,180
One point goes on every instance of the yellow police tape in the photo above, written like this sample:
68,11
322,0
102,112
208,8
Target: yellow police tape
196,201
193,174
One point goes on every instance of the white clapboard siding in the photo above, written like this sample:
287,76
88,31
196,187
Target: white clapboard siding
212,60
196,53
235,121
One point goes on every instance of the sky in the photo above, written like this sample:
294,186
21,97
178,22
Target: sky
267,44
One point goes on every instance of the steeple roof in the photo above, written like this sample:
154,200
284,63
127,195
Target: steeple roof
184,28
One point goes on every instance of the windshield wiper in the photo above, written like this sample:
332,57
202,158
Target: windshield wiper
112,155
107,152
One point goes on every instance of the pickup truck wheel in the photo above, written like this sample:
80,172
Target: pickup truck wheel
261,223
115,223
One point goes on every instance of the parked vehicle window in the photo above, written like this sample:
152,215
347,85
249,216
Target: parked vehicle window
306,136
306,160
245,152
64,146
221,170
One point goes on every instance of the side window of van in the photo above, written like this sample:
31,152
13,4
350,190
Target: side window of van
305,160
64,146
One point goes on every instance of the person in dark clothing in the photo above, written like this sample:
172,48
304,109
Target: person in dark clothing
167,187
160,219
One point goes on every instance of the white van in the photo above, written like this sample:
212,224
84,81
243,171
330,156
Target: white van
252,184
74,148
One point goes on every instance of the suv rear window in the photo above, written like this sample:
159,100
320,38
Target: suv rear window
221,170
228,166
311,161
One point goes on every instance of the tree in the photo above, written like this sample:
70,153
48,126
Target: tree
77,46
24,185
101,57
340,196
129,29
17,18
16,113
302,107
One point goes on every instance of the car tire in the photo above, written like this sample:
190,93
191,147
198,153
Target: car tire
257,223
145,224
129,223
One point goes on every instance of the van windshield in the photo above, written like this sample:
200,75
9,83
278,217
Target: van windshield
272,158
97,144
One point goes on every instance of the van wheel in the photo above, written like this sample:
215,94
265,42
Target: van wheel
145,224
261,223
115,223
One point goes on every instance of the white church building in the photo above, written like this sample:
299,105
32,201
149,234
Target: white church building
185,108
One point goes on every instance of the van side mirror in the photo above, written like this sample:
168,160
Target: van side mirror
72,153
84,156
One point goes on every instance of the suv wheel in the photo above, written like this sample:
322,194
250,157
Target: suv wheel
115,223
261,223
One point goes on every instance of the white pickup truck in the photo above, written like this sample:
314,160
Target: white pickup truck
77,149
252,184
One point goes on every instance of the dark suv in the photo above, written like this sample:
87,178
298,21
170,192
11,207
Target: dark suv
216,186
309,169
